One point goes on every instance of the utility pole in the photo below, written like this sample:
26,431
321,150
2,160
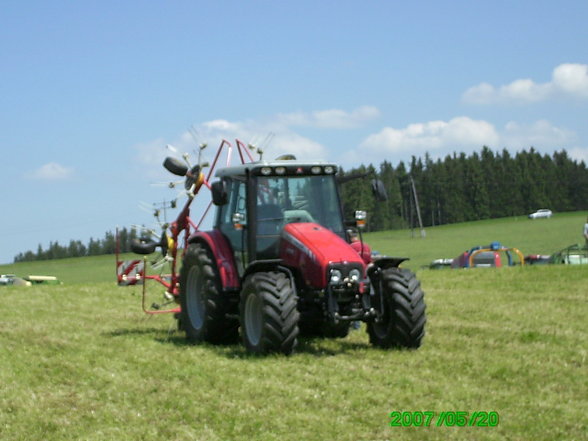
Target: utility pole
418,210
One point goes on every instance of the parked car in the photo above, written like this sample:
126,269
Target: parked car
11,279
542,213
6,279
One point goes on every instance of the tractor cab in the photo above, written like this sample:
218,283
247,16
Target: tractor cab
257,200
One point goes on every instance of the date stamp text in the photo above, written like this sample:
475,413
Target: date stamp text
447,418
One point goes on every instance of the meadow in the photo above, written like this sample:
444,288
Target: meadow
80,361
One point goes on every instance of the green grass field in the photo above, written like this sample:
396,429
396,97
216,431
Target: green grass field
81,362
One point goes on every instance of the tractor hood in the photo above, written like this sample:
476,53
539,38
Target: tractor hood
314,250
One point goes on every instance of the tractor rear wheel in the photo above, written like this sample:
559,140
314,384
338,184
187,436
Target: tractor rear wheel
268,313
402,323
204,305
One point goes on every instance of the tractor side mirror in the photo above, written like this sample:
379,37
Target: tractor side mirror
219,192
379,190
175,166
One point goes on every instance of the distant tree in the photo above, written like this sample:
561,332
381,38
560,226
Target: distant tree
477,189
109,243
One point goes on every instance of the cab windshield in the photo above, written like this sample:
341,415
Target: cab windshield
282,200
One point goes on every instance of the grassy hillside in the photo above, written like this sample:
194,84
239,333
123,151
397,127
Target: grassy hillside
543,236
92,269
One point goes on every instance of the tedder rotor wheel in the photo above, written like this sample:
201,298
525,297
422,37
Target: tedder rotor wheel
204,306
268,313
402,324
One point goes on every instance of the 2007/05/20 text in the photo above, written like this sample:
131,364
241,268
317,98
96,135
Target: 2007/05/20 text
448,419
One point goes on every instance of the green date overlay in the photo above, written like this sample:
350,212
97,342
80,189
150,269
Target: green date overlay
448,419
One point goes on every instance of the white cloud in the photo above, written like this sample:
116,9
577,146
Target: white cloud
458,133
579,154
273,136
540,134
569,80
572,79
222,125
152,152
525,91
545,137
51,171
483,93
461,134
331,118
149,157
278,135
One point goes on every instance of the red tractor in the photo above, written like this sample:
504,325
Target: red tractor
280,260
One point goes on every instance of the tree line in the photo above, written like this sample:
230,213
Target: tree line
76,248
460,187
457,188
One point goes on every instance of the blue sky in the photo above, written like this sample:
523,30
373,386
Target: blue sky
91,92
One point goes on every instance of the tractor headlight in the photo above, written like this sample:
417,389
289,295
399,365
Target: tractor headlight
336,277
354,275
266,171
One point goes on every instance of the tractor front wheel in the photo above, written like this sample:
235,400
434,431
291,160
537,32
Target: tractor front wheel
204,305
402,320
268,313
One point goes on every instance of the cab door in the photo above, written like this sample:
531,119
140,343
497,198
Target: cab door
236,237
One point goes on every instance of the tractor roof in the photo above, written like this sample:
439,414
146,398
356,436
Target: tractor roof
292,168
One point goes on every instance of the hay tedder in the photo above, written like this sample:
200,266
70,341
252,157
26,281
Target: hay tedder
279,261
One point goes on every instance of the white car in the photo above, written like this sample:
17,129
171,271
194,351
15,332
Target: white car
542,213
7,279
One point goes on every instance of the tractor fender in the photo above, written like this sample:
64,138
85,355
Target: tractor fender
269,265
384,262
262,265
379,263
223,255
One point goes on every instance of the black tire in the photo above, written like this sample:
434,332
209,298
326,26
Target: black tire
268,313
139,246
204,306
403,321
175,166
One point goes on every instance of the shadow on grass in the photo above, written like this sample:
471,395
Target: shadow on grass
315,346
136,331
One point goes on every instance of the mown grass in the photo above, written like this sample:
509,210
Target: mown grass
81,362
